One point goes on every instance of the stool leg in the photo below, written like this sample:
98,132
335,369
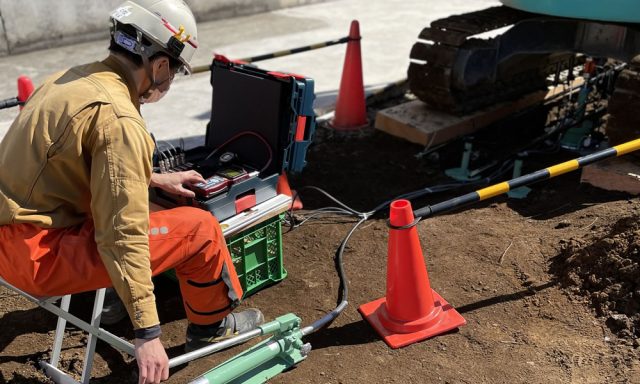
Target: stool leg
91,343
59,335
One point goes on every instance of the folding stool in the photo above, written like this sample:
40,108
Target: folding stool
230,226
92,328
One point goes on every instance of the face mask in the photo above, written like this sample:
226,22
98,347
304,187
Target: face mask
154,94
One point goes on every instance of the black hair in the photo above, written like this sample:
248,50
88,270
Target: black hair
137,59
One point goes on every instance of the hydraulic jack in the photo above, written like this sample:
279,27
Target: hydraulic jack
265,360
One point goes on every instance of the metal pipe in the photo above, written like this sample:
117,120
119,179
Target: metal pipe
59,335
56,375
592,80
286,52
209,349
543,174
96,315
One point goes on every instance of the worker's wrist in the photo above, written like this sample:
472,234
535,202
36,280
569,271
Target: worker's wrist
155,179
143,312
148,333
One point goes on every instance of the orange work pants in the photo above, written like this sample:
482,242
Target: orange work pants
55,262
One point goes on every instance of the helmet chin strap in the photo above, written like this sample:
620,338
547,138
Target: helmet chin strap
146,64
147,67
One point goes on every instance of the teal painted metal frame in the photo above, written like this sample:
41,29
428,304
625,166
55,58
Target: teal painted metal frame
621,11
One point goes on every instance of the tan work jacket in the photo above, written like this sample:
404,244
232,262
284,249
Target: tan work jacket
79,150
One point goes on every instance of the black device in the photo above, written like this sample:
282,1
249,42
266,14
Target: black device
211,186
261,125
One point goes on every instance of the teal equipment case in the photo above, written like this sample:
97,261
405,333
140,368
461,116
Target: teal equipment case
263,121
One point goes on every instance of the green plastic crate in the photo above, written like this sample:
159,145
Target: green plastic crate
257,256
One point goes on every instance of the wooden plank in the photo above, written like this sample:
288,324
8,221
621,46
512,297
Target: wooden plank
619,174
417,123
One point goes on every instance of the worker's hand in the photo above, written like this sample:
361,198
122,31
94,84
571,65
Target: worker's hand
174,182
153,363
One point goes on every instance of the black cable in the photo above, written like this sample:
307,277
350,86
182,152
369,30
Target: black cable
9,103
343,289
423,192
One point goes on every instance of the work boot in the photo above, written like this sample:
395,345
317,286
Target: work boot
113,309
233,324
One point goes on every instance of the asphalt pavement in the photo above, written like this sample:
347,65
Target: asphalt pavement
388,29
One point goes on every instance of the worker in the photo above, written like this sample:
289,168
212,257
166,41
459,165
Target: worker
75,168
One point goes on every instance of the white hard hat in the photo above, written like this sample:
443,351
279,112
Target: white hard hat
168,24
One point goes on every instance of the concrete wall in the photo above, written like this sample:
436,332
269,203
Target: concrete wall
27,25
3,38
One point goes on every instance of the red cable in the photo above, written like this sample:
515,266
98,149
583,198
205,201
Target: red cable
264,141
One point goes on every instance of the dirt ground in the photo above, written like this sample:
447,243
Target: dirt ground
549,285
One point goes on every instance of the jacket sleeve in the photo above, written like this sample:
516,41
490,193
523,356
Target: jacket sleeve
120,172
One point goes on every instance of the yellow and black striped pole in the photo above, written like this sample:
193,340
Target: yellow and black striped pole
543,174
286,52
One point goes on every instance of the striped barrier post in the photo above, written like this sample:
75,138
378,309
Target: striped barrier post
543,174
286,52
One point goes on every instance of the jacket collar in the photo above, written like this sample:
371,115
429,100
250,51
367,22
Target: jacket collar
127,76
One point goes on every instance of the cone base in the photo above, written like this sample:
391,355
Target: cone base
448,319
341,127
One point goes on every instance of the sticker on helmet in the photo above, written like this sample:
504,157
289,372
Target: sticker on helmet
121,12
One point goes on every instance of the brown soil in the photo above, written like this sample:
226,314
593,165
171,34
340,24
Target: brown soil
548,285
603,269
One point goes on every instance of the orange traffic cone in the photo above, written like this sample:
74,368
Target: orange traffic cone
411,311
351,110
25,89
283,188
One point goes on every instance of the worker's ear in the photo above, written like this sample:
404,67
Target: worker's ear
161,69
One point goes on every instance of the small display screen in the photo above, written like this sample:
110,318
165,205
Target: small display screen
231,173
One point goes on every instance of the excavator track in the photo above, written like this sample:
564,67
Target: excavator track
434,55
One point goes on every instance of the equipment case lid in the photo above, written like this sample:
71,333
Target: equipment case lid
252,107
